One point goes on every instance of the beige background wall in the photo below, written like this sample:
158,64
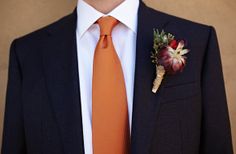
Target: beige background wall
18,17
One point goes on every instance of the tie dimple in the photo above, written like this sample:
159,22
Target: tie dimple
106,25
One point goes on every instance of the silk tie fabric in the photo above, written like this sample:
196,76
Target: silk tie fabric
110,124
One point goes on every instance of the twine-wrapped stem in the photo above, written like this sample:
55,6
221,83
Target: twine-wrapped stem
160,72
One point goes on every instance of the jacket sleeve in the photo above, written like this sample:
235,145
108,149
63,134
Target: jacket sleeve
13,131
215,132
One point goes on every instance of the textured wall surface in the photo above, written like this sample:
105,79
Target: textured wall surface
19,17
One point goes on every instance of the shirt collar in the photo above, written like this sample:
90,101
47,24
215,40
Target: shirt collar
126,13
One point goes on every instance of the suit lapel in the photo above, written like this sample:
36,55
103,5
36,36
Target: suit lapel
60,65
145,104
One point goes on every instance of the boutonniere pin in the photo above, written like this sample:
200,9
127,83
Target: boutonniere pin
168,56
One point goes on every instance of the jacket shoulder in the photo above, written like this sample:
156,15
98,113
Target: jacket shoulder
42,33
176,20
31,45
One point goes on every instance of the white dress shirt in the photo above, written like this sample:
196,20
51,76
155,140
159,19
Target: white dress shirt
124,39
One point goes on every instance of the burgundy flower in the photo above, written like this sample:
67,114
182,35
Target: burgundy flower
172,57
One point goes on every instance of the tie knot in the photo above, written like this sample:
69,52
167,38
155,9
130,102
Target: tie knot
106,25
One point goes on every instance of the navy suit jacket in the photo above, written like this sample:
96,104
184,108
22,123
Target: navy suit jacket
188,114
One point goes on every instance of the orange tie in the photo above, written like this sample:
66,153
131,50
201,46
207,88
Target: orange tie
110,124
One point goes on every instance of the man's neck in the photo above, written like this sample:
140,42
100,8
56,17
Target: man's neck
104,6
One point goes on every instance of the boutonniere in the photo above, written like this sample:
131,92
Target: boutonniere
168,56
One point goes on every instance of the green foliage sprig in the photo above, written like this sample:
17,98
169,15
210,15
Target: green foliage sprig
161,39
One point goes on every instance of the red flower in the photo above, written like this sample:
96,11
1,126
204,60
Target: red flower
173,44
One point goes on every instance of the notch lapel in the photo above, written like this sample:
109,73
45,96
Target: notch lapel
145,103
61,72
